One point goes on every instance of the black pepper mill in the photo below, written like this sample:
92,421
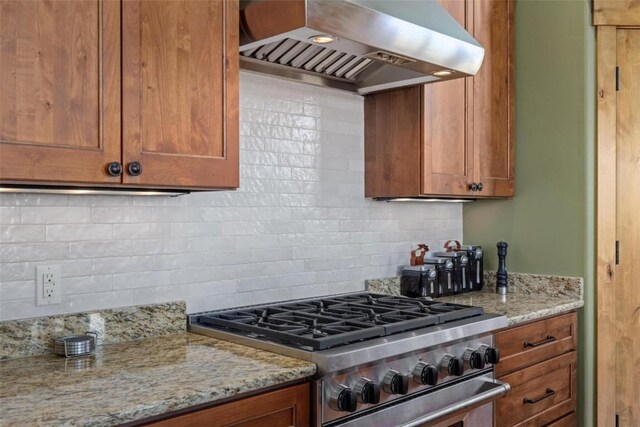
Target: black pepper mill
501,282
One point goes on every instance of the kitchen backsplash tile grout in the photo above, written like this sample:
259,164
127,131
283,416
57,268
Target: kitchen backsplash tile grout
298,226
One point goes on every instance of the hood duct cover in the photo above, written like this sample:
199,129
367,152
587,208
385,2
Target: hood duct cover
374,45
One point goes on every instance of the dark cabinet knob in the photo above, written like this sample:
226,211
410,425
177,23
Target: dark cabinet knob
480,186
114,168
425,374
473,186
134,168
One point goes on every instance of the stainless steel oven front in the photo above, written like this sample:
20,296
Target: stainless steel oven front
471,397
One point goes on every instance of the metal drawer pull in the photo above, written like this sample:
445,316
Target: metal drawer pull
547,393
549,339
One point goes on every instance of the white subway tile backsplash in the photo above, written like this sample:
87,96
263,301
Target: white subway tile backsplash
87,285
298,226
32,252
21,233
37,214
10,291
9,215
120,264
141,279
117,215
78,232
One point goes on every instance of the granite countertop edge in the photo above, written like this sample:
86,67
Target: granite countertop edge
167,406
163,398
210,397
552,310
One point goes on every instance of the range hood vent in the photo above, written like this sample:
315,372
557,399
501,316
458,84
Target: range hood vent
371,45
312,58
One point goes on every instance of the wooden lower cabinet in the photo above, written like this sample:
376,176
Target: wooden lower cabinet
539,394
280,408
525,345
539,362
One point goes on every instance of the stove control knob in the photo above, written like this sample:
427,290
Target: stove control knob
491,354
367,391
343,399
425,374
475,359
451,365
395,383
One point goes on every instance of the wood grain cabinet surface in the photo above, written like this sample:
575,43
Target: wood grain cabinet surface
142,82
539,362
287,407
440,139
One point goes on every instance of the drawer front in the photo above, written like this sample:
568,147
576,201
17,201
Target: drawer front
525,345
570,420
539,394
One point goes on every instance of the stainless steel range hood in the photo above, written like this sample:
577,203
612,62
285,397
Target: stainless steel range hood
369,45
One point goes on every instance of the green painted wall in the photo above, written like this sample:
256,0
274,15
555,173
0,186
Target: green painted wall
549,225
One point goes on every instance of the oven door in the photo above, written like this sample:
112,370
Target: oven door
478,416
433,408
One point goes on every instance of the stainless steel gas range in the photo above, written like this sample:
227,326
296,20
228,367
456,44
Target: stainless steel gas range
382,360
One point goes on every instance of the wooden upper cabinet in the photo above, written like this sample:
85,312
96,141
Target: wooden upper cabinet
447,155
461,130
180,92
142,82
59,90
493,98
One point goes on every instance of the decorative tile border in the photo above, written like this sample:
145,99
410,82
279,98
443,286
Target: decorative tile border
29,337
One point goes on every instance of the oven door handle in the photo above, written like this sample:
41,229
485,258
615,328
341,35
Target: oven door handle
494,390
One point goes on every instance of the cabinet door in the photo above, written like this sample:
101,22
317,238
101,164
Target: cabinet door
540,393
287,407
180,93
59,90
447,154
493,98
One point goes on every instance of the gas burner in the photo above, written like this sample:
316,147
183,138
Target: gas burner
338,320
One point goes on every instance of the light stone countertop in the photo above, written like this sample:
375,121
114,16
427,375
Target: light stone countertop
518,308
135,380
530,296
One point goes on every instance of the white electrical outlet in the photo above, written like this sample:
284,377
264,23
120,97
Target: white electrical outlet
48,285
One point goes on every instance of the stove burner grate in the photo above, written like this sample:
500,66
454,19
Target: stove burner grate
328,322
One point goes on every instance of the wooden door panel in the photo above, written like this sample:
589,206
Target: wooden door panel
627,310
540,393
447,154
180,92
392,134
280,408
60,90
493,102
